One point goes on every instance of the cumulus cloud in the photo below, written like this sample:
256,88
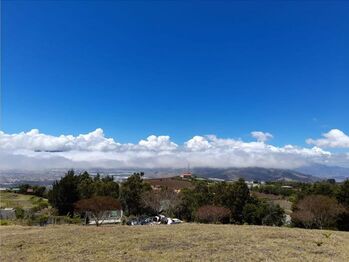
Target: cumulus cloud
36,141
198,143
333,138
35,150
158,143
261,136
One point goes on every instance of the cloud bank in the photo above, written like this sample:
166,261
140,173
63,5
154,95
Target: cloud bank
35,150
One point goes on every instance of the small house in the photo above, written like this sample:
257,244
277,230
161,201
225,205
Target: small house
186,175
109,217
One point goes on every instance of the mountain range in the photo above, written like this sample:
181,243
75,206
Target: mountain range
309,173
254,173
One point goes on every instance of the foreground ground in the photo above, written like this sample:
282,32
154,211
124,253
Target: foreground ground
186,242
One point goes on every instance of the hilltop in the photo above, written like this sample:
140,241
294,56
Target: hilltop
186,242
254,173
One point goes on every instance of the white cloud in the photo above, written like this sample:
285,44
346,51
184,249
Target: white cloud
197,143
158,143
261,136
333,138
35,150
36,141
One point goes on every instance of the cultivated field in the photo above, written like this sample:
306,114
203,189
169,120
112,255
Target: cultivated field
186,242
9,199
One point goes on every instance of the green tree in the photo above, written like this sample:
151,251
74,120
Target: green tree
86,185
192,199
106,187
343,193
188,205
23,188
65,193
258,212
343,198
237,195
131,193
323,188
39,191
274,215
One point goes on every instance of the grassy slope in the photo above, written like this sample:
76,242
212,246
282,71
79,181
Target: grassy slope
186,242
9,199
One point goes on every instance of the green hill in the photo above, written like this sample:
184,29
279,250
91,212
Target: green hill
9,199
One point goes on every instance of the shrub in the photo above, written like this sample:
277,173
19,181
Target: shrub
41,219
316,211
4,222
20,213
212,214
262,213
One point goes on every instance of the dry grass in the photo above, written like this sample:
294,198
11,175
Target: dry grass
186,242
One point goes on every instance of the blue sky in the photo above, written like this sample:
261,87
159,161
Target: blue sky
176,68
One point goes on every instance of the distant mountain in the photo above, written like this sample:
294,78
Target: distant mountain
254,173
304,174
323,171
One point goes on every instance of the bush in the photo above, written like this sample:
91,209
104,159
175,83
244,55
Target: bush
72,220
4,222
41,220
262,213
20,213
317,211
212,214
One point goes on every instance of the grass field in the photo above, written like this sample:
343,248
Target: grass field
9,199
185,242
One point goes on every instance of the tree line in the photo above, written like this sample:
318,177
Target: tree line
318,205
219,202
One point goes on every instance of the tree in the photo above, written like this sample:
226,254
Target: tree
23,188
86,186
317,211
106,186
323,188
192,199
262,213
343,199
163,201
212,214
235,196
188,205
64,194
97,186
303,218
97,207
39,191
131,193
343,193
274,215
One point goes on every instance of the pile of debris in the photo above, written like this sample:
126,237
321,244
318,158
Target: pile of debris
155,220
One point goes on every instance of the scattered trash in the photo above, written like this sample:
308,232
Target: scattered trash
154,220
